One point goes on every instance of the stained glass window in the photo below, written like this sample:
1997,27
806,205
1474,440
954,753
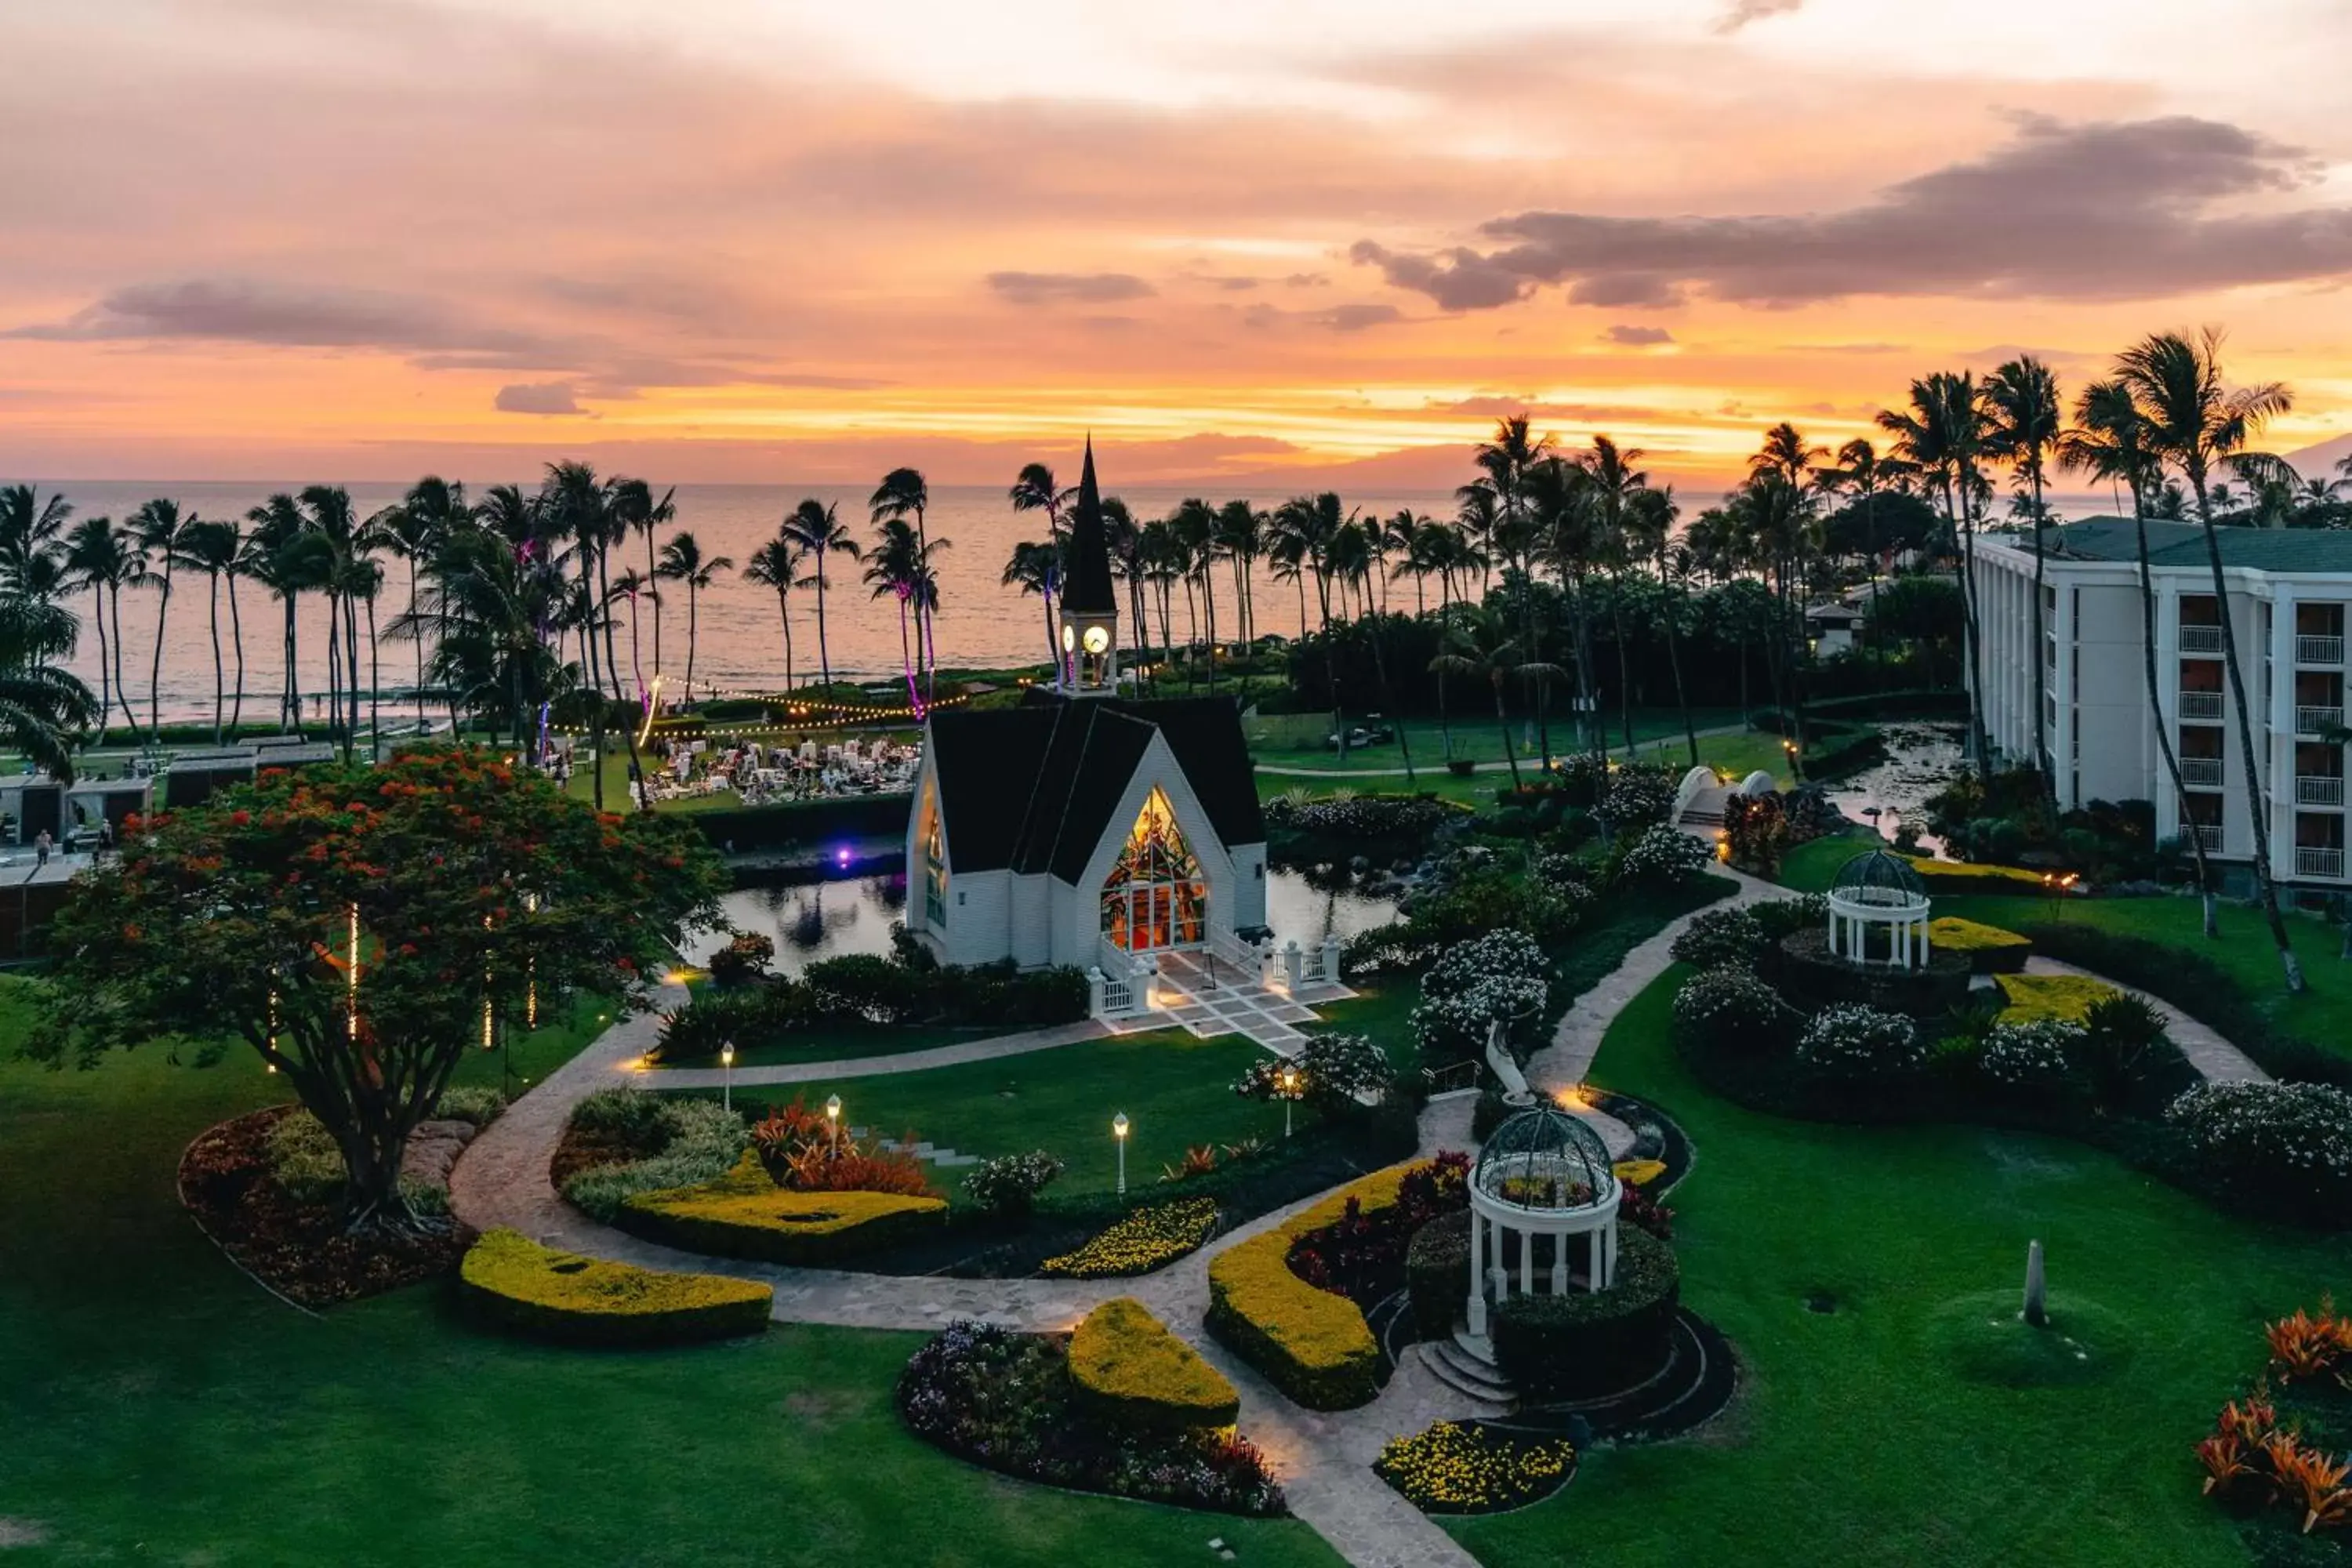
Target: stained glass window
1155,896
935,866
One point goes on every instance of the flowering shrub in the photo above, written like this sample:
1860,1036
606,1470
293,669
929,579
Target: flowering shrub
1637,796
1328,1069
2066,997
1730,1007
1006,1401
2285,1147
1664,857
742,960
1563,875
1146,1239
1717,937
1461,1466
1756,831
1501,975
2251,1459
802,1149
1009,1183
2307,1349
2032,1053
661,1143
1360,816
1855,1042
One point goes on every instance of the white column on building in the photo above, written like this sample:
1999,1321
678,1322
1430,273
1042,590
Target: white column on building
2278,733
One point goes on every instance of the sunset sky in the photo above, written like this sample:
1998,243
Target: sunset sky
752,240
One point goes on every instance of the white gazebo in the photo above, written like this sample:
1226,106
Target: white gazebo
1879,891
1542,1173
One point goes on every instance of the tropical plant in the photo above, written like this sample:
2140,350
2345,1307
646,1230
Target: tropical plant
903,493
682,561
2023,425
816,531
106,560
772,566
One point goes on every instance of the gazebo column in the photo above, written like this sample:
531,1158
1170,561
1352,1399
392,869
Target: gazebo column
1476,1309
1497,1275
1527,1262
1559,1265
1595,1266
1609,1257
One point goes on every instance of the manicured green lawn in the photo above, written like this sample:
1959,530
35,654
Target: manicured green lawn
1176,1091
841,1044
1854,1442
158,1406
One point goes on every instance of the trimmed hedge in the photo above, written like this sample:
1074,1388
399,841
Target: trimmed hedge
744,1214
1311,1345
1944,877
1437,1274
866,990
1807,970
2065,997
1131,1371
1149,1239
1588,1343
514,1282
1989,949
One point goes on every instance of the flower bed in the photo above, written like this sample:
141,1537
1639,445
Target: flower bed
2280,1149
2277,1457
1007,1402
619,1144
745,1215
1461,1467
1990,949
1146,1239
514,1282
1130,1369
2064,998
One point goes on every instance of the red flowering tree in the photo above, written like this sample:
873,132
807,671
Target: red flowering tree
353,924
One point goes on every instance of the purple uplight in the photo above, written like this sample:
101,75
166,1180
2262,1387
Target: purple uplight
841,858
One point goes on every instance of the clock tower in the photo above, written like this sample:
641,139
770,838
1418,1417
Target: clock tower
1089,606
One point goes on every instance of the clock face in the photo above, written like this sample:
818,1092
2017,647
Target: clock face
1069,638
1097,638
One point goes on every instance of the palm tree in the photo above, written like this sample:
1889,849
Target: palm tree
632,586
1941,435
1614,484
903,494
1649,529
2023,423
772,566
632,508
211,548
1193,528
413,531
157,525
1032,568
1241,538
43,709
278,554
104,559
682,561
2193,422
894,568
816,531
30,527
1307,528
2108,441
340,560
1478,642
649,520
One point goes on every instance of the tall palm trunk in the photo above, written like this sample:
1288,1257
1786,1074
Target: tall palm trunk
1674,662
105,685
236,635
375,687
650,576
824,656
2257,808
213,595
351,663
155,666
1503,725
121,690
1965,537
417,695
693,629
289,692
2156,707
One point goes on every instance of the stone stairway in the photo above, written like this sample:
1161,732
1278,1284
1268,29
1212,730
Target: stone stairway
1466,1364
924,1149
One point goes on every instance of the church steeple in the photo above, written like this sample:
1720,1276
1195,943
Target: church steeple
1089,606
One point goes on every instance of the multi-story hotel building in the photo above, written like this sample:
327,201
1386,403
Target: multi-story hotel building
2288,593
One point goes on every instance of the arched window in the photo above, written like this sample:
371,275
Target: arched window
1155,895
935,866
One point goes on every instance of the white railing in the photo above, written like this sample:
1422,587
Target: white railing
2200,705
2313,862
2319,791
2318,651
2205,834
2200,640
2315,720
2204,771
1120,984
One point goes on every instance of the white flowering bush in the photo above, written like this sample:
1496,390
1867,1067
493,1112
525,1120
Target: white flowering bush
1500,975
1637,796
2032,1054
1730,1009
2285,1148
1853,1042
1562,877
1009,1183
1360,816
1717,937
1663,857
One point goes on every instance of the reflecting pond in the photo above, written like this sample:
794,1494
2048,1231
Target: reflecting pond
809,921
1921,759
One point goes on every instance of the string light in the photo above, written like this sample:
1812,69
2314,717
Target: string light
351,982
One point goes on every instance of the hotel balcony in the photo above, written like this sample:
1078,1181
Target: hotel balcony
2309,721
2309,791
2200,705
2319,650
2313,862
2200,640
2203,772
2207,834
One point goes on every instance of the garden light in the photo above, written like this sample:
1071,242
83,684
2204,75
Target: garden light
1289,1081
1119,1125
832,1121
727,1064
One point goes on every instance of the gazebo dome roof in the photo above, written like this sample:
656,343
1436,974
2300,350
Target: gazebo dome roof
1879,877
1543,1158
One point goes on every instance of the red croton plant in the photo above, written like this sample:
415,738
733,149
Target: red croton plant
456,882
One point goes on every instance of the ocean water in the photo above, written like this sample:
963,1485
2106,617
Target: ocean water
739,641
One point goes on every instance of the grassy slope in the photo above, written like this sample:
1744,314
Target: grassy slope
2322,1015
158,1407
1176,1090
1852,1442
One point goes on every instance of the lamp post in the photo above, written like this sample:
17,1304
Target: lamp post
727,1064
833,1123
1289,1081
1796,769
1119,1125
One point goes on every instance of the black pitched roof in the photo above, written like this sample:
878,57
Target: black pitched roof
2183,545
1087,589
1033,788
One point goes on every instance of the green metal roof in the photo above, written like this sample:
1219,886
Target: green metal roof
2183,545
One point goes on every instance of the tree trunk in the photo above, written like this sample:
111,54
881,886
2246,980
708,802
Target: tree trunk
105,687
121,690
2156,710
213,595
237,634
155,666
1503,724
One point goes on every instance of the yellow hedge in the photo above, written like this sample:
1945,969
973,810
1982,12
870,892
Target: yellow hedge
1145,1240
1313,1345
1969,876
2063,996
514,1282
1128,1366
744,1214
1989,949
